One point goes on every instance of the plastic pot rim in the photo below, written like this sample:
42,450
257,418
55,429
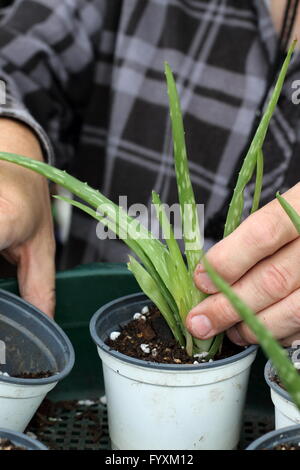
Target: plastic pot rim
44,320
149,364
20,439
273,434
269,374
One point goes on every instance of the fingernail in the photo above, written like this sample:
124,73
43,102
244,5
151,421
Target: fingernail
199,268
205,282
200,326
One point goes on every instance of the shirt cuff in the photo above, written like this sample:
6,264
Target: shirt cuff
13,108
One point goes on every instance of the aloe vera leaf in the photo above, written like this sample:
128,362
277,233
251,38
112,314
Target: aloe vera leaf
132,244
205,345
183,277
293,215
152,290
187,334
190,222
150,269
153,247
259,180
186,293
237,202
215,347
156,281
284,367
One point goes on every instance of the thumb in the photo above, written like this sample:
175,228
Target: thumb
36,276
212,316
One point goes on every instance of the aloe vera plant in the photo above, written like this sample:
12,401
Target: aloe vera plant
162,273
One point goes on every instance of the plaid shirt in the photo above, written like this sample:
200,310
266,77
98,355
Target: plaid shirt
87,76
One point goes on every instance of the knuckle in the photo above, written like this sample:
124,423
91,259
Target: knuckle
223,310
214,255
275,281
221,260
263,232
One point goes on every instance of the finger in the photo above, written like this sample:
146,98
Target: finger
294,341
282,319
36,275
9,223
259,236
267,283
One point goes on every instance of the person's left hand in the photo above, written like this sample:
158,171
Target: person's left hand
261,260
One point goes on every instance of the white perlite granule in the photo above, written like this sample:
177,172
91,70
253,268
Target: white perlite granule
154,352
145,348
5,374
114,335
86,402
103,400
201,355
145,310
297,365
139,316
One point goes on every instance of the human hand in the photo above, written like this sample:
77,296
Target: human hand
261,260
26,231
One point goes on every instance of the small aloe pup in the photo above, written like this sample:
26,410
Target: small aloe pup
162,273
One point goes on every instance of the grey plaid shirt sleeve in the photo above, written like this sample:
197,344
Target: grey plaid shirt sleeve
14,108
44,47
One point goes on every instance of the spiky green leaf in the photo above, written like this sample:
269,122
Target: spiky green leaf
293,215
190,222
237,202
152,290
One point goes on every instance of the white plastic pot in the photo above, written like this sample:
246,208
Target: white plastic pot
33,343
166,406
288,435
18,403
286,413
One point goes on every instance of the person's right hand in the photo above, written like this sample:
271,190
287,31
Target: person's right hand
26,229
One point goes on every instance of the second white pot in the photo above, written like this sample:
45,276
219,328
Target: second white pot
164,406
286,413
20,402
32,344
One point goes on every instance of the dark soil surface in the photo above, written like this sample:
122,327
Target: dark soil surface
34,375
158,344
5,444
277,380
287,447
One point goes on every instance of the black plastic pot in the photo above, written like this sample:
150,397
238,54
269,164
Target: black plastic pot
21,440
289,435
33,343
